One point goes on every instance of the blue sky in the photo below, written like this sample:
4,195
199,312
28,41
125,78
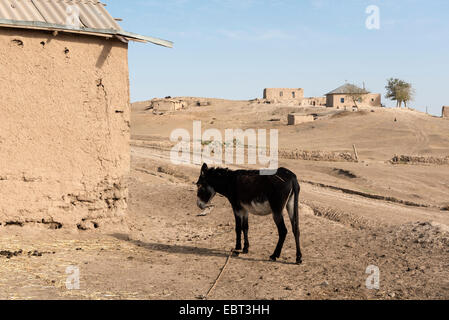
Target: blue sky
234,48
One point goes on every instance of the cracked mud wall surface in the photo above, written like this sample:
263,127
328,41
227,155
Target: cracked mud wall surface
64,130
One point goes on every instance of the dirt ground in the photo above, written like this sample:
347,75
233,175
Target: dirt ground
353,215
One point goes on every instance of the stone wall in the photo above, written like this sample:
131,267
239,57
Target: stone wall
64,134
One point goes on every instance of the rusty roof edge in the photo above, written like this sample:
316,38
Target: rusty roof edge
97,32
52,26
160,42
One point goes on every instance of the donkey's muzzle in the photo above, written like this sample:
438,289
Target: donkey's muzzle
201,204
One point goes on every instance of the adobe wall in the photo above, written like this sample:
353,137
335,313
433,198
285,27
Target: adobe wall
295,119
445,112
283,94
64,134
373,100
368,100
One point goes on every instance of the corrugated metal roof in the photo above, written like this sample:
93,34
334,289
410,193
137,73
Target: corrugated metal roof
92,13
63,15
348,88
19,10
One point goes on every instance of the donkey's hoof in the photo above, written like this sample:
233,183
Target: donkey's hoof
245,251
273,258
298,261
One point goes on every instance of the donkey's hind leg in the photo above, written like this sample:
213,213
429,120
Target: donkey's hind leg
293,213
282,230
245,227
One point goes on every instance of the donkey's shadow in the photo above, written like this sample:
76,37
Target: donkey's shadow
181,249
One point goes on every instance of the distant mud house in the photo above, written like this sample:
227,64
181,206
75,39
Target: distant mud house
342,97
64,137
283,94
315,101
164,105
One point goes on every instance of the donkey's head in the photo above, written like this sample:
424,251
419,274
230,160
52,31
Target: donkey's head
205,191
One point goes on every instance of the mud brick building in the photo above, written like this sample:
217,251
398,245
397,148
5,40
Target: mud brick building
283,94
340,97
64,114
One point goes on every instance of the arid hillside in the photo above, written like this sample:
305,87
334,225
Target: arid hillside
389,209
379,133
402,153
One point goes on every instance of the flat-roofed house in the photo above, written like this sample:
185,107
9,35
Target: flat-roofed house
292,94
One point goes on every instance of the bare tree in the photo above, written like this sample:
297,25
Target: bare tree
356,94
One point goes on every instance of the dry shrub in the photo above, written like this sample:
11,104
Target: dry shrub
404,159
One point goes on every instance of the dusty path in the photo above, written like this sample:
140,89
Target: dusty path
171,253
337,254
369,208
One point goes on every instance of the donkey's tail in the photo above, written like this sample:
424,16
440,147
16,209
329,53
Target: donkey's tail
295,222
296,191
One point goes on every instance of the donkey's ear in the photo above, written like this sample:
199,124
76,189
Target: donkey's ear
204,169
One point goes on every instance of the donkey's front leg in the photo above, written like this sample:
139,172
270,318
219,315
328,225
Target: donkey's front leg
245,227
238,231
